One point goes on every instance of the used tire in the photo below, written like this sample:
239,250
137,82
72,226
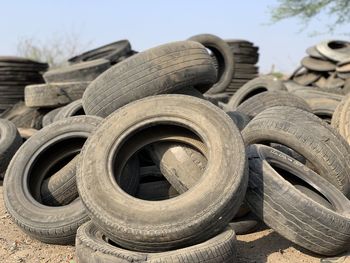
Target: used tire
224,58
341,120
74,108
224,179
322,146
111,52
181,164
260,102
272,197
10,141
93,246
159,70
43,154
254,87
322,104
50,116
80,72
53,95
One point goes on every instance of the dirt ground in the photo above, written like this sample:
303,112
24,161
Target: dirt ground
263,246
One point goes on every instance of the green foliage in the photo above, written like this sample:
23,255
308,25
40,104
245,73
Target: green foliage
306,10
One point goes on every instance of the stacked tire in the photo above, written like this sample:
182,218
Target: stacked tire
15,74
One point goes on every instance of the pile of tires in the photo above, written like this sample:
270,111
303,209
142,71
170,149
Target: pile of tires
153,171
15,74
326,68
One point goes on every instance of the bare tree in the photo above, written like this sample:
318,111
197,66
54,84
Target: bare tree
55,50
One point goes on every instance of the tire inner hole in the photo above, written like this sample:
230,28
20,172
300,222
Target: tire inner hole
151,187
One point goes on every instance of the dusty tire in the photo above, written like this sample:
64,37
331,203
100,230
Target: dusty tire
42,154
260,102
10,141
92,246
80,72
303,132
272,197
61,188
341,120
156,191
240,119
245,225
181,164
24,117
50,116
223,55
74,108
254,87
322,104
224,180
53,95
160,70
111,52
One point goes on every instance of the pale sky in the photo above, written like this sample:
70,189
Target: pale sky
153,22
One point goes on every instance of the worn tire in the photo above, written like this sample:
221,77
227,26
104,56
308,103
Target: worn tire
80,72
111,52
254,87
74,108
160,70
54,95
272,196
181,164
341,120
224,180
93,246
305,133
322,104
260,102
42,154
50,116
224,58
10,141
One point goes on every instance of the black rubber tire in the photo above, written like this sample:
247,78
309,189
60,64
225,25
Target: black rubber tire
80,72
156,191
224,57
159,70
318,64
295,216
342,118
54,95
335,50
74,108
245,225
224,179
260,102
338,112
50,116
111,52
24,117
10,141
254,87
305,133
181,164
61,188
240,119
42,154
322,104
93,246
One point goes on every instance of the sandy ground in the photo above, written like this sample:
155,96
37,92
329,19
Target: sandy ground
262,246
